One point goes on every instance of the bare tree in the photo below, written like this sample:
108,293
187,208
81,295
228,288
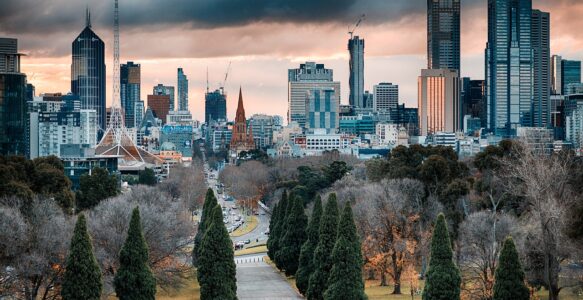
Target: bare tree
248,182
187,183
481,238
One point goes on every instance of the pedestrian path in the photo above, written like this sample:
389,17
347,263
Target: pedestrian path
258,280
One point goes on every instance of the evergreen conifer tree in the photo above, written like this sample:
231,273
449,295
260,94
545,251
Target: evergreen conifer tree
82,279
272,224
443,277
509,284
283,230
323,254
274,233
306,267
216,264
294,237
210,201
134,279
345,280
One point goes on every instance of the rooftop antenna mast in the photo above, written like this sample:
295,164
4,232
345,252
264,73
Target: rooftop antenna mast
207,79
352,30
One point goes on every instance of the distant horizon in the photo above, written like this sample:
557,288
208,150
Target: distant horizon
262,43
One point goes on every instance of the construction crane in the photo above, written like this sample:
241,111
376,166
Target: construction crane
351,31
226,76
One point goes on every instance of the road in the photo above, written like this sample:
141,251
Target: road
258,280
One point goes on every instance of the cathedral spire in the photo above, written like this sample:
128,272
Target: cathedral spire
240,109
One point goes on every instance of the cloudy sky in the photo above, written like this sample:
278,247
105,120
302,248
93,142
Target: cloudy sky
262,39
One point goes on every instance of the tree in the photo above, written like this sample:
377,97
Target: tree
443,277
275,232
82,279
306,262
134,279
345,280
323,254
209,203
272,224
294,237
147,177
95,187
283,230
217,270
509,283
335,171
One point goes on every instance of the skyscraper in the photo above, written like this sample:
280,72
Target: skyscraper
13,108
182,90
130,92
356,80
443,34
160,105
161,89
571,73
556,75
88,72
322,110
509,66
215,106
307,77
439,101
540,32
385,97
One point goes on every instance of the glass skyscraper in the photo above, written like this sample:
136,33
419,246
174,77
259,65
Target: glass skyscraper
130,92
182,90
443,34
215,106
356,80
509,66
88,72
541,48
571,73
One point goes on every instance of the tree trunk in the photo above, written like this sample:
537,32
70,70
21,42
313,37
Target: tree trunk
384,277
396,275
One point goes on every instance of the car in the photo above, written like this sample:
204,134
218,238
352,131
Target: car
247,241
262,213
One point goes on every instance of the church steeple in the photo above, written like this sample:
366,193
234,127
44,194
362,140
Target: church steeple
87,17
242,137
240,116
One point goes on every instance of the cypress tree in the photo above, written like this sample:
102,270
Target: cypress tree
443,277
272,224
82,279
274,233
210,201
283,229
134,279
323,254
294,238
345,280
509,278
216,264
306,266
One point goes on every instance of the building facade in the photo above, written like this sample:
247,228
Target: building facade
161,89
88,73
541,46
556,75
570,73
242,137
130,78
160,105
443,34
439,101
182,90
215,106
262,127
385,97
509,66
322,110
356,80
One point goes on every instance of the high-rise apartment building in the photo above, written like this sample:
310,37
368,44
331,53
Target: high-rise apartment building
88,72
356,80
215,106
322,110
385,97
13,107
161,89
160,105
262,127
443,34
182,90
509,66
130,92
541,49
439,101
307,77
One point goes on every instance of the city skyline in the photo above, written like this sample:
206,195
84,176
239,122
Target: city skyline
250,41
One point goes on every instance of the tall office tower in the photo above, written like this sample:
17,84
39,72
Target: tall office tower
182,90
385,96
88,72
356,80
262,127
472,98
509,66
541,49
13,107
130,92
443,34
138,112
556,75
571,73
307,77
161,89
160,105
215,106
439,101
322,110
